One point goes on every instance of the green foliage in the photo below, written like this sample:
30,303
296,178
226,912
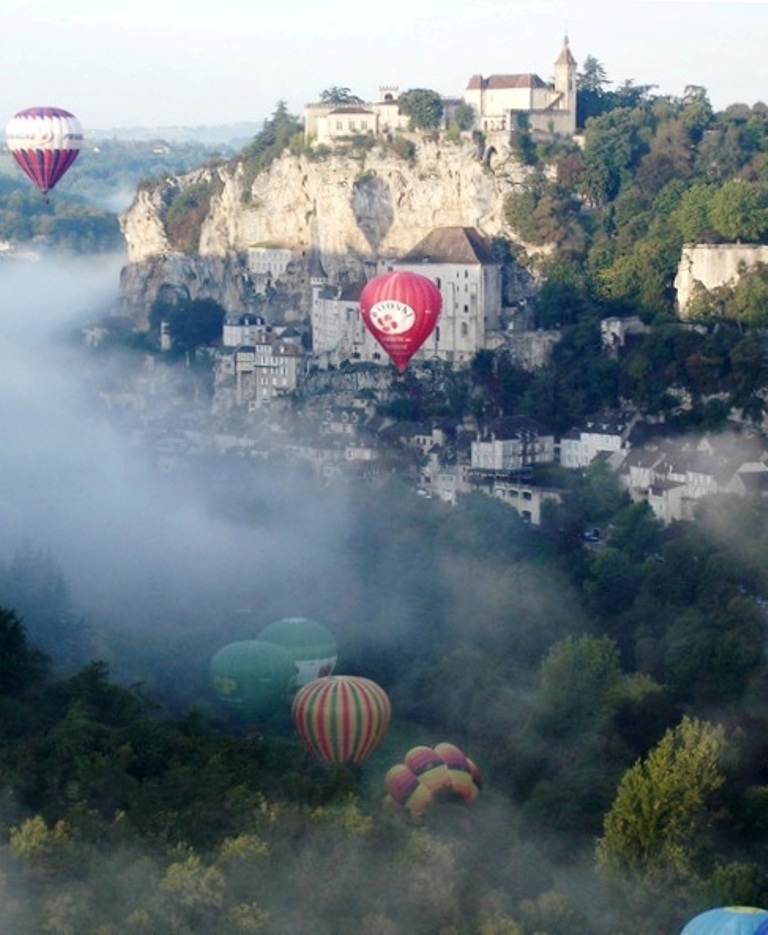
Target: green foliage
192,323
463,117
738,211
21,665
64,223
423,107
336,96
579,682
184,213
541,213
275,137
613,146
403,148
662,805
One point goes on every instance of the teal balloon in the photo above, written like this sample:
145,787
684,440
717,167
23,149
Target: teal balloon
728,920
252,678
310,644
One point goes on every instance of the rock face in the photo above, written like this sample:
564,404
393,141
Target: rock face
347,211
708,266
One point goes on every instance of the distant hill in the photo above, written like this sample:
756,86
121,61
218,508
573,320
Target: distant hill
234,135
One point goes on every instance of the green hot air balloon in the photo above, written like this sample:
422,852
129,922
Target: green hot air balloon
310,644
252,678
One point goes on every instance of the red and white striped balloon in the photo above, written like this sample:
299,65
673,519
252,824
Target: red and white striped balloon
45,142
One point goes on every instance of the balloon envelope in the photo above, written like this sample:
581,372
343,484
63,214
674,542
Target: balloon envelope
45,142
405,790
429,774
341,718
252,677
311,645
400,309
727,920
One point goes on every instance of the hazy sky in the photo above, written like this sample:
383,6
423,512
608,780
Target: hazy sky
186,62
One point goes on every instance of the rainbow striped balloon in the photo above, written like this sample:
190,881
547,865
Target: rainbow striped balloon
341,718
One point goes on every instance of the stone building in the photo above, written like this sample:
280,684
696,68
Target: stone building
504,102
255,363
500,103
459,261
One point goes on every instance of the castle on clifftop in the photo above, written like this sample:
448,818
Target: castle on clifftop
501,103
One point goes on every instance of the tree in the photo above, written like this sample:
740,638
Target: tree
591,96
275,137
195,323
748,301
593,77
21,666
692,214
424,107
613,147
463,116
579,682
336,95
662,804
739,211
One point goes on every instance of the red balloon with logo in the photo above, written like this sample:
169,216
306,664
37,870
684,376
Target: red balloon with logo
401,310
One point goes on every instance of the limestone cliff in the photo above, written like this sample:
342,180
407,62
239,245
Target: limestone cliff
707,266
347,210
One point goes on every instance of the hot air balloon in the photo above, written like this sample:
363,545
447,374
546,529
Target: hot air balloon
252,678
45,142
405,790
311,645
431,774
463,774
341,718
728,920
400,309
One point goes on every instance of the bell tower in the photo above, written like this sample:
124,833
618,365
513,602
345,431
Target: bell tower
565,81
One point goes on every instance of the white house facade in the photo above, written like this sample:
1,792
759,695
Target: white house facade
602,434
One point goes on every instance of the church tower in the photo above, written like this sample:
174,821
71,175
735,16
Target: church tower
565,81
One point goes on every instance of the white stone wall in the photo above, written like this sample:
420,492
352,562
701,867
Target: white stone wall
713,265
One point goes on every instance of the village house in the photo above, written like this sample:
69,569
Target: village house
325,123
338,331
256,363
602,434
511,444
673,475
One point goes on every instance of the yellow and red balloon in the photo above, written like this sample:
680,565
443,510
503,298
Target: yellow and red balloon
430,774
